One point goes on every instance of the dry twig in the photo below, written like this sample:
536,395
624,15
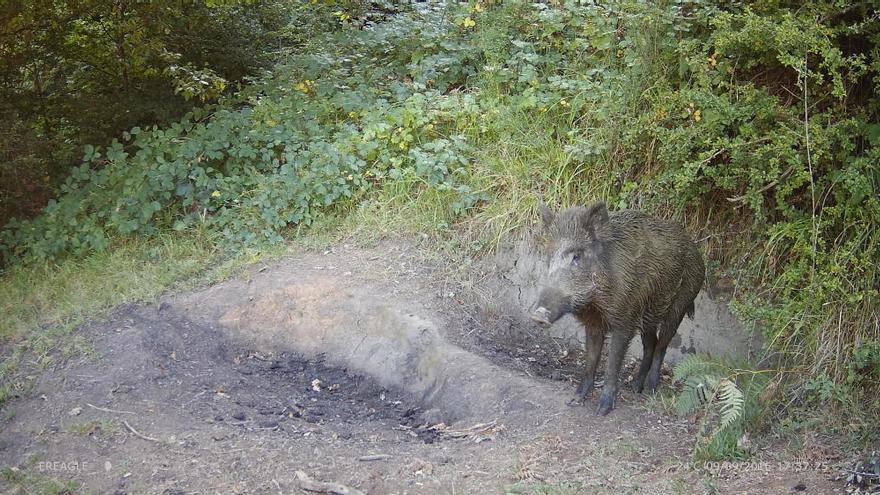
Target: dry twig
109,410
131,428
310,485
374,457
478,433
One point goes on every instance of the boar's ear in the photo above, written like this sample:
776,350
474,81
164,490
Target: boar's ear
595,215
547,215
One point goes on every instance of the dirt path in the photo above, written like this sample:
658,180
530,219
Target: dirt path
357,366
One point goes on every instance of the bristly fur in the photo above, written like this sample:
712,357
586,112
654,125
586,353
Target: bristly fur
631,272
646,263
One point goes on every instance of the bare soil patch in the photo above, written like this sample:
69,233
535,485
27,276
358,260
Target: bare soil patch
365,367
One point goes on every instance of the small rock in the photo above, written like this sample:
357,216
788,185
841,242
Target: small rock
422,468
427,435
268,423
800,487
744,443
75,411
239,415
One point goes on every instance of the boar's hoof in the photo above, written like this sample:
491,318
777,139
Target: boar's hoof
576,401
606,404
541,316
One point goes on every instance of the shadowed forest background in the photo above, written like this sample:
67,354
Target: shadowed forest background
141,142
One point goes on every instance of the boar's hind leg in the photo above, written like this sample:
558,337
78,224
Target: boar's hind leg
649,343
595,340
667,330
619,341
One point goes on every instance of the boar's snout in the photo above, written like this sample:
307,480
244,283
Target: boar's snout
541,315
551,306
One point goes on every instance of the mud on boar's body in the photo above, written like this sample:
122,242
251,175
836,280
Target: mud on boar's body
619,273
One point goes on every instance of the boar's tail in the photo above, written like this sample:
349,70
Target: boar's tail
690,310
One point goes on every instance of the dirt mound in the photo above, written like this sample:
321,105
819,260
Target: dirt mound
377,326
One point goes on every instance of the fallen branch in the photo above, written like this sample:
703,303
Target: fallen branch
131,428
308,484
478,432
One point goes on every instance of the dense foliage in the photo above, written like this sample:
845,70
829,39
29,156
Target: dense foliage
80,72
322,128
757,120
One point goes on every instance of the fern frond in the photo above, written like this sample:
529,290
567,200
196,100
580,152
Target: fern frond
709,385
698,364
687,367
697,391
710,391
730,403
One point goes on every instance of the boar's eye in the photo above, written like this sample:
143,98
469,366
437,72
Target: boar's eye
575,257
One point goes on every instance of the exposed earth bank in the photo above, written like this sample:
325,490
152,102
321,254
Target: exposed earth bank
377,369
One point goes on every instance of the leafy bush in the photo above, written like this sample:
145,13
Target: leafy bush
78,72
319,131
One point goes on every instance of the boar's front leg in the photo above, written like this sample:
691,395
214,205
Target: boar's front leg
619,341
595,340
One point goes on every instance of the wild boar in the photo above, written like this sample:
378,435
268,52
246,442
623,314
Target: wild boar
619,273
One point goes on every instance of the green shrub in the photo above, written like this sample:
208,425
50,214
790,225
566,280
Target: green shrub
318,132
